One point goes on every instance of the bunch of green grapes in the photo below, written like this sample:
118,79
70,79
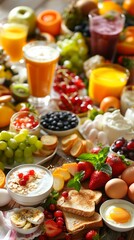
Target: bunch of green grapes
18,148
73,52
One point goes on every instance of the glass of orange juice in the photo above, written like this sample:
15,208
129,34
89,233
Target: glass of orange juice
41,60
107,80
13,37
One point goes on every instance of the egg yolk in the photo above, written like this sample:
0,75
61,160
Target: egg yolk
120,215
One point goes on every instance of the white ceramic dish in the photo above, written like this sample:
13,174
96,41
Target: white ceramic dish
35,190
24,229
37,160
60,133
120,203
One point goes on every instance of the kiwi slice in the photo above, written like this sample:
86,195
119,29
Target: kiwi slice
20,91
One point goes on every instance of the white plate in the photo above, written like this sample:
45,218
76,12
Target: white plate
37,160
121,203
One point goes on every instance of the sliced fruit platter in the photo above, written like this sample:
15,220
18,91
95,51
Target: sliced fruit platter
85,188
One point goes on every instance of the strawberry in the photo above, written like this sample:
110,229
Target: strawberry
95,150
92,235
117,163
87,167
98,179
51,228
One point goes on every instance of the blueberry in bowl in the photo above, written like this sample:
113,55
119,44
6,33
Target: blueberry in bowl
60,123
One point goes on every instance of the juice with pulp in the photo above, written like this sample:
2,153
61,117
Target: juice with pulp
107,81
104,34
13,38
41,62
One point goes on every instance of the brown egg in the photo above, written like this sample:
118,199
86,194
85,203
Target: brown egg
116,188
131,192
128,175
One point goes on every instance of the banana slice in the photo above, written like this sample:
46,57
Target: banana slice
35,216
18,220
28,225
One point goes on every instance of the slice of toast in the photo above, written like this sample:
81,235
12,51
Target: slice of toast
81,203
49,141
75,223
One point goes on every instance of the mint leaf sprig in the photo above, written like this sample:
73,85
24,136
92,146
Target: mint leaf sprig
76,181
97,160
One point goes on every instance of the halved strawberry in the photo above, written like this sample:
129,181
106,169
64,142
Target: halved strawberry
51,228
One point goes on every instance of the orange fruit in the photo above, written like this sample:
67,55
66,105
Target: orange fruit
128,5
107,6
5,115
2,179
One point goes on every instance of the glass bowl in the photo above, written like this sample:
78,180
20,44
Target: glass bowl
25,120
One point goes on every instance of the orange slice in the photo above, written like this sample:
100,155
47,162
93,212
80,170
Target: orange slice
72,167
2,179
64,172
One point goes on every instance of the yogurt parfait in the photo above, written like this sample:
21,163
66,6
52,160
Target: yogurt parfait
29,184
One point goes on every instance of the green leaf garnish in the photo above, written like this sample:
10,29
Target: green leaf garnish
106,168
96,159
111,15
51,199
76,181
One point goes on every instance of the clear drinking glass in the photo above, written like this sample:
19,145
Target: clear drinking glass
105,30
12,38
41,59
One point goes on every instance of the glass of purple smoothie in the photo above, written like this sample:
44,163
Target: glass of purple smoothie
105,30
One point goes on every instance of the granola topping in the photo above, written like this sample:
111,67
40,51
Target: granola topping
34,185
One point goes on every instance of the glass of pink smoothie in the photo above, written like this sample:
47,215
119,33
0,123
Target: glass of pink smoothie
105,30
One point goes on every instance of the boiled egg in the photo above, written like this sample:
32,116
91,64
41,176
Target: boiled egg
119,214
4,197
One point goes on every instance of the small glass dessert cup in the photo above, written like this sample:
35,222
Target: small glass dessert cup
25,120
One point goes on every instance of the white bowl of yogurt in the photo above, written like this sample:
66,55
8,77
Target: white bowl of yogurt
29,184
